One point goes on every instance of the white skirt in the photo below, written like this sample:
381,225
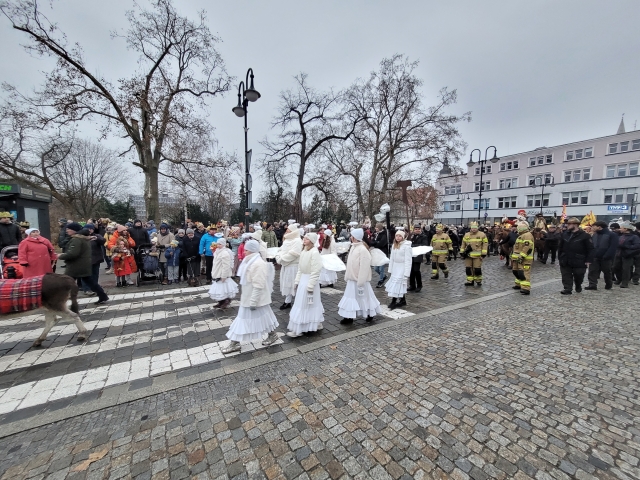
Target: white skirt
288,279
304,317
352,305
327,277
396,286
251,325
222,290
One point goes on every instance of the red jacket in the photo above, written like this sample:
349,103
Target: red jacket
113,241
11,262
123,264
36,255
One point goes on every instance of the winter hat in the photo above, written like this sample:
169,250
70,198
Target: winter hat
358,234
311,226
180,230
29,230
252,246
128,224
257,235
292,227
173,243
222,242
75,226
313,237
137,220
84,231
151,222
401,232
628,225
164,225
328,232
353,224
324,225
614,225
89,226
190,230
291,221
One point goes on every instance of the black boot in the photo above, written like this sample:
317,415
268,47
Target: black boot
393,304
469,284
402,302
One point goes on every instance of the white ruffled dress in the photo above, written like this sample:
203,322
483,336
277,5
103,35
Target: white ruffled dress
399,268
305,317
353,305
222,290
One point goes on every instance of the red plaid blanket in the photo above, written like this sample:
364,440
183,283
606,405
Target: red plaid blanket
20,295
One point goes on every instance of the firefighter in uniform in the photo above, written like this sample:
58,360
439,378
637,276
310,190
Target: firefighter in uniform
474,247
522,259
442,247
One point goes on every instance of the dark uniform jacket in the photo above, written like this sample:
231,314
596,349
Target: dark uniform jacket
9,235
605,244
575,249
77,259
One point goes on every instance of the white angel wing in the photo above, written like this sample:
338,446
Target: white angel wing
421,250
342,247
272,252
378,258
333,263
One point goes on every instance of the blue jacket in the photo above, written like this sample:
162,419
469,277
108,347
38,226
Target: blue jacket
205,244
172,260
605,244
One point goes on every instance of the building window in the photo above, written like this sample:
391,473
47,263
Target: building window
624,146
453,189
508,183
452,206
540,160
579,153
619,195
635,145
507,202
484,204
486,169
575,198
613,148
544,177
513,165
534,200
577,175
486,186
622,170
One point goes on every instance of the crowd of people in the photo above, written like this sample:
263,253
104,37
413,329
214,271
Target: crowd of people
245,259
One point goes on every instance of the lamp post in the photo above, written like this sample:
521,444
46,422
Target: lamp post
246,95
482,164
634,206
462,205
541,182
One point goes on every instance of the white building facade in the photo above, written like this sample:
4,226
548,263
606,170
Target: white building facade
599,175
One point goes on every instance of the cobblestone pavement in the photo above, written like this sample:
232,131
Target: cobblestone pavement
140,336
538,387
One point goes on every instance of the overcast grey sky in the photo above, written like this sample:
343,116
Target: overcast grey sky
532,73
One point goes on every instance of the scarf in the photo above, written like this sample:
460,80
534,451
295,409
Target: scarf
244,266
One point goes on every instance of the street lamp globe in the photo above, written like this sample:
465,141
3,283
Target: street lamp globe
238,110
495,158
385,208
252,95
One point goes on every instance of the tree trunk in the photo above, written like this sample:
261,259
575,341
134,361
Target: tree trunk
151,195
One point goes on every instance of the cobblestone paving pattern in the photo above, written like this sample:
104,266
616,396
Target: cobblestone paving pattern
140,336
543,387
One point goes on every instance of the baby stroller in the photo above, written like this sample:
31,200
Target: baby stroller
9,266
148,261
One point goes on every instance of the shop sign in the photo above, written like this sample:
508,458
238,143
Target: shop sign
6,188
620,208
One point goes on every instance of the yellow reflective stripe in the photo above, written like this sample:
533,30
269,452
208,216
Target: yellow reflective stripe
524,283
440,252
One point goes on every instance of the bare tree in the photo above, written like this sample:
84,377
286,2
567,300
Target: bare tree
158,108
398,136
308,119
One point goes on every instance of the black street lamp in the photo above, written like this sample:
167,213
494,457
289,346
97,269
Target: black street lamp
482,164
462,205
634,206
543,182
246,95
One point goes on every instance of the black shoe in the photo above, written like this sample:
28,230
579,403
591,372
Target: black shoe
636,283
417,290
516,287
553,263
468,284
543,262
435,277
402,302
393,304
411,289
446,274
525,292
591,288
101,302
565,292
617,282
379,284
346,321
608,287
478,283
624,286
369,319
284,306
578,289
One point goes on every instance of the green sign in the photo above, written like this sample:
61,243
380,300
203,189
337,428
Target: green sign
6,188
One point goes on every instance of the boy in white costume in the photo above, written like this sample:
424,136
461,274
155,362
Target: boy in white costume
328,277
307,313
255,317
358,298
400,262
288,257
223,289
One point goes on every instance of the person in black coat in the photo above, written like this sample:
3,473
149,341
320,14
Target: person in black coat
9,232
575,253
455,243
628,251
551,240
380,240
139,234
415,277
191,253
605,244
97,242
